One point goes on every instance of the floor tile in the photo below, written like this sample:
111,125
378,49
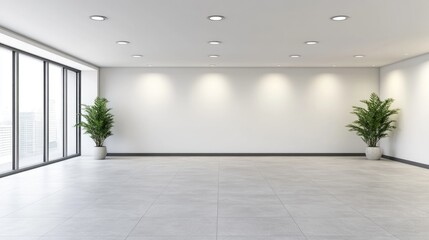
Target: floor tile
234,210
257,227
324,210
339,227
94,227
262,238
182,210
175,227
173,238
249,199
24,227
190,198
404,226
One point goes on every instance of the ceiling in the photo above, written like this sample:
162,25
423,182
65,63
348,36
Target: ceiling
255,33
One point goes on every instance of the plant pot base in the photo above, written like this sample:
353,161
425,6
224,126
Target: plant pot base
373,153
100,153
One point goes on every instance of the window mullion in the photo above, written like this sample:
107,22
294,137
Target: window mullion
15,110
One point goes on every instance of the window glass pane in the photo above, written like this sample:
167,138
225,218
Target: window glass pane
5,110
55,112
30,111
71,112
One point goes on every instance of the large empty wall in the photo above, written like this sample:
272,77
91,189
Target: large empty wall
408,83
235,110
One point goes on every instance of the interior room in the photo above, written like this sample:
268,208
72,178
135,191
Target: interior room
214,120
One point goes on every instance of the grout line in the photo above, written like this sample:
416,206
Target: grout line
275,192
348,205
159,195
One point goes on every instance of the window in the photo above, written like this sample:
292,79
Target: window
6,160
39,109
56,103
71,112
31,110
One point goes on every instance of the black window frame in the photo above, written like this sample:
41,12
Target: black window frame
15,111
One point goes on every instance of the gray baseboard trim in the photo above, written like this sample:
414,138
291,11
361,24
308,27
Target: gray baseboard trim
422,165
233,154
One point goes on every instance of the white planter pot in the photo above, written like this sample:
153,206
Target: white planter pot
100,153
373,153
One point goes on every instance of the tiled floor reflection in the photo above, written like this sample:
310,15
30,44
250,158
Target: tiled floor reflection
224,198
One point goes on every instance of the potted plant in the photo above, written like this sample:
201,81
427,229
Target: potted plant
98,124
374,123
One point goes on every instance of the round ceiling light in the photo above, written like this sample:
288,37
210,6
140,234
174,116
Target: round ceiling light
216,18
311,42
295,56
98,18
340,18
213,56
215,42
359,56
137,56
122,42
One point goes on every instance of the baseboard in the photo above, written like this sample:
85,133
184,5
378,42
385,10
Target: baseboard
233,154
422,165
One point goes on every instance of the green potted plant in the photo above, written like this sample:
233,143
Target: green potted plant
374,123
98,124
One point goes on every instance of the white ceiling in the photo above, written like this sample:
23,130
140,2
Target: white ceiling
255,33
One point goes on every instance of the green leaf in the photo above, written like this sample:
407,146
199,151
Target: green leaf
98,121
373,121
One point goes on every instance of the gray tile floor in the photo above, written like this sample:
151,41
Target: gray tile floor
224,198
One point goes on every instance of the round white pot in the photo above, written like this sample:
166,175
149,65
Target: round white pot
373,153
100,153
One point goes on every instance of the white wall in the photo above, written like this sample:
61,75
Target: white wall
235,110
408,83
89,91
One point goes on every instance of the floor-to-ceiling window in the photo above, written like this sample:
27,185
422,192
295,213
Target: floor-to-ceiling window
31,104
6,92
56,115
71,112
39,109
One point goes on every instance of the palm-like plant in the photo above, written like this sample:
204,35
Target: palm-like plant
98,121
374,121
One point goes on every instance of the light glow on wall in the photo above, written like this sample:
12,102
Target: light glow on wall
274,91
211,92
154,90
396,80
325,91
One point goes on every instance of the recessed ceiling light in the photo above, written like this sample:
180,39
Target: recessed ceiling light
137,56
215,42
98,17
311,42
122,42
213,56
216,17
340,18
295,56
359,56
